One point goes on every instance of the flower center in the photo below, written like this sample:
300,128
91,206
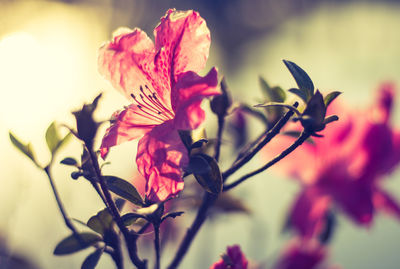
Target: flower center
151,105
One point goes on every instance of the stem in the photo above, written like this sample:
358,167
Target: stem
303,137
130,239
157,244
268,136
67,221
221,122
208,201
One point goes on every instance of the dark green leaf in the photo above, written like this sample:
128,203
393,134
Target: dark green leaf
130,218
274,94
69,161
198,144
24,148
71,244
314,114
299,93
330,97
91,261
172,215
124,189
331,119
206,172
302,79
271,104
221,103
101,222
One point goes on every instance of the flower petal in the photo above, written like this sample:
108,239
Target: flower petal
131,123
355,198
307,215
128,62
182,42
384,201
161,155
187,96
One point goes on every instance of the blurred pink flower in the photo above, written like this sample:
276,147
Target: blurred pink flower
345,166
161,81
233,259
303,254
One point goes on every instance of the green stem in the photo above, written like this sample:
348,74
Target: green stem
268,136
130,239
303,137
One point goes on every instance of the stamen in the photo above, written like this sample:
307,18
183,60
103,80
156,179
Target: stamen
150,106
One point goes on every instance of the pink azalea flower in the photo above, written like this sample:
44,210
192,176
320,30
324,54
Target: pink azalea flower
303,254
233,259
161,82
344,167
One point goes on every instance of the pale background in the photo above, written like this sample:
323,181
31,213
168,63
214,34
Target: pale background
48,68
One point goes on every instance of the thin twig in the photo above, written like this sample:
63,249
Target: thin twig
221,123
157,244
67,221
208,201
130,239
303,137
268,136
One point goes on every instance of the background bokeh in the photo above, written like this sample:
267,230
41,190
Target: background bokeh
48,68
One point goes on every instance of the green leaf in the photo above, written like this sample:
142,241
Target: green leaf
274,94
271,104
299,93
314,115
71,244
330,97
172,215
24,148
52,137
206,172
302,79
129,218
92,260
124,189
69,161
101,222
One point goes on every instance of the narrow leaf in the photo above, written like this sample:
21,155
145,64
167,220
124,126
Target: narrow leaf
71,244
24,148
330,97
124,189
302,79
206,172
130,218
172,215
52,137
270,104
100,222
69,161
274,94
299,93
92,260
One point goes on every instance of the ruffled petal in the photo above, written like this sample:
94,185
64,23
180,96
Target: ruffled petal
129,124
302,254
161,155
187,95
128,62
182,42
355,198
307,215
